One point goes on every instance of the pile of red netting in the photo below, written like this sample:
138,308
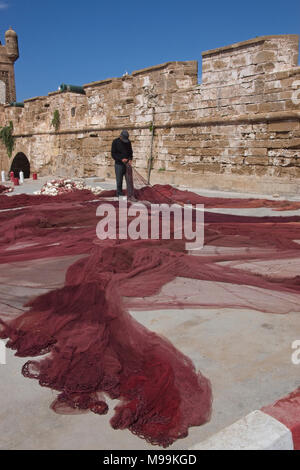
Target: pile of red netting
92,345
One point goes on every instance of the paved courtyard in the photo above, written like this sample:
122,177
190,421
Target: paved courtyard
245,353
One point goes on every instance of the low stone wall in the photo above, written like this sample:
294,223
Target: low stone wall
238,130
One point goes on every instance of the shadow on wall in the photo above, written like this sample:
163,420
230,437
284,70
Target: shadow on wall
20,163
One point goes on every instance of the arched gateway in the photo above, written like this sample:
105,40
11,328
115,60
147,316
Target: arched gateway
20,163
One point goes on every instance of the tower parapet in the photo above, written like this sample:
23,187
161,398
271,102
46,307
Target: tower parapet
9,53
12,46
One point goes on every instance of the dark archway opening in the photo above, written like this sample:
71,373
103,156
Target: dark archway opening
20,163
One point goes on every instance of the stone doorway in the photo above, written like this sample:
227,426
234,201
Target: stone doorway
20,163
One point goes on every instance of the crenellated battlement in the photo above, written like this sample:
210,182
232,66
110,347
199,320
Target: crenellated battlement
243,60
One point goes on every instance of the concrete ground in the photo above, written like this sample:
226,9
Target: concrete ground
245,353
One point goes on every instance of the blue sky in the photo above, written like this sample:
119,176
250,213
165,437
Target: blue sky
79,42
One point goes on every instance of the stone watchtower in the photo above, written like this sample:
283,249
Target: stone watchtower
8,55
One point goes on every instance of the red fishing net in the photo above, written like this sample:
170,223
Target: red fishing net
169,194
163,193
92,345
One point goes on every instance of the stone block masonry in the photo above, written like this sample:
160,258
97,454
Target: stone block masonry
9,53
237,130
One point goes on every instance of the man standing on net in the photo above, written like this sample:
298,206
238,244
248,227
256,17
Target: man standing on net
121,152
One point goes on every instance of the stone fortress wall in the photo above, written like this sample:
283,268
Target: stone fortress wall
237,130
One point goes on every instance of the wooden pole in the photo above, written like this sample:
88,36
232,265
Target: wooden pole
151,149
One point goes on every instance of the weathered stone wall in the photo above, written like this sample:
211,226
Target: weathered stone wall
239,129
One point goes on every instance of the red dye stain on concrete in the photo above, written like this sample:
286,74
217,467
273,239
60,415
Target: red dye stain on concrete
287,411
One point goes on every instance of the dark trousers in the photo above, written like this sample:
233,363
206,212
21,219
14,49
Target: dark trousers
122,170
